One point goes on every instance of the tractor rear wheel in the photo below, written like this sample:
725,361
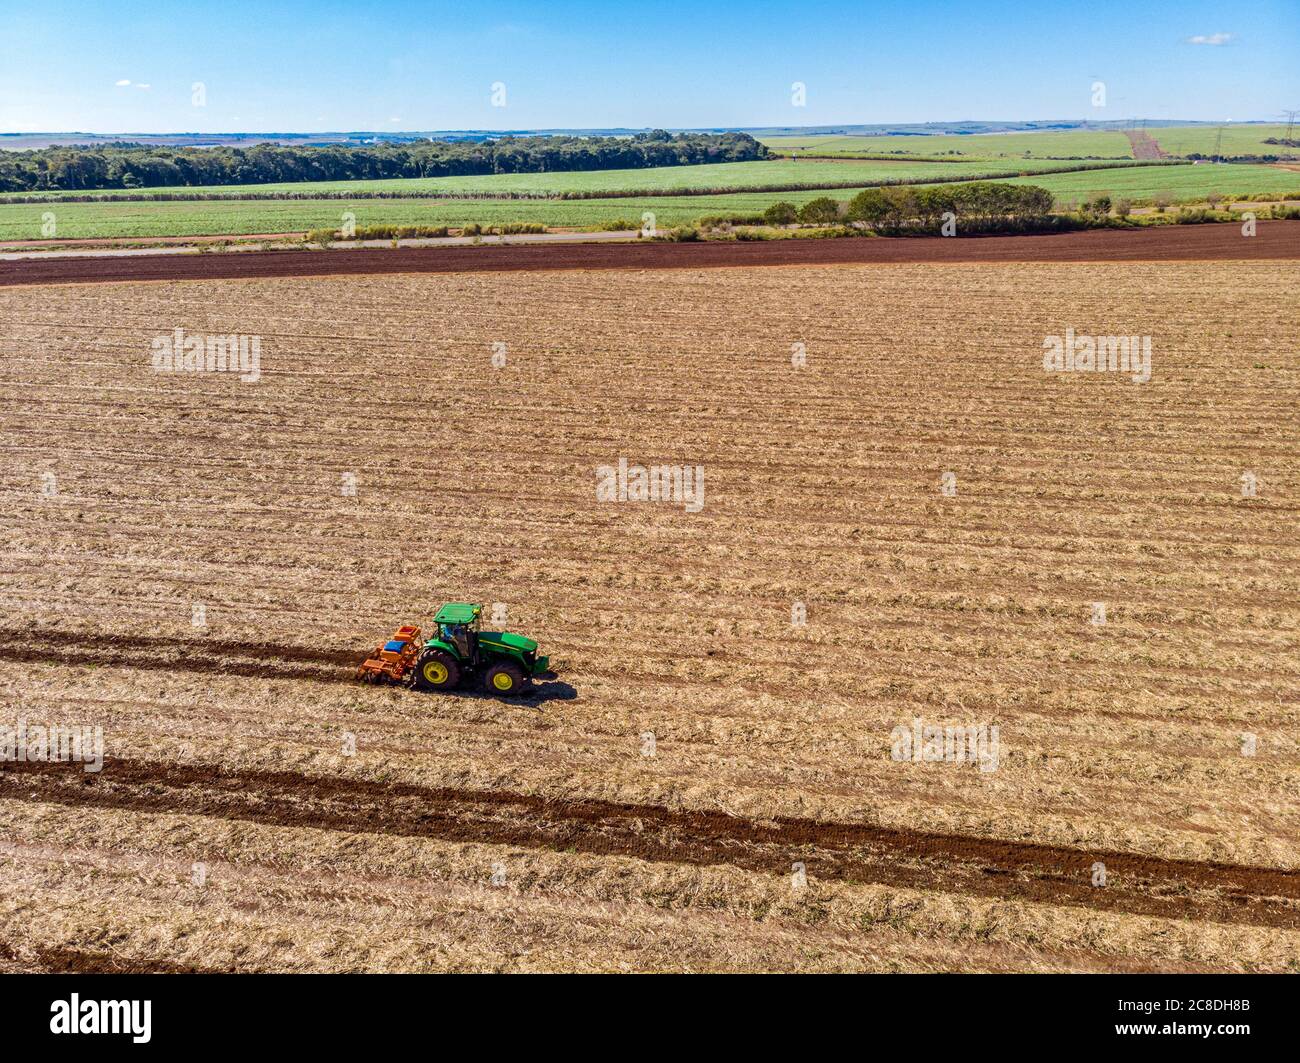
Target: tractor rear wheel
436,670
504,678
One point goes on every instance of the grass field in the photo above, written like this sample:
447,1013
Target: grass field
1175,140
727,176
1108,144
111,220
1179,182
1237,139
709,784
24,221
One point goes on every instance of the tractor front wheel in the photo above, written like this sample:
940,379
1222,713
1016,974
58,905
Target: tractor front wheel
504,678
436,671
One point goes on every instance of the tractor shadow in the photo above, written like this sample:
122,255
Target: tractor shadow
549,690
539,693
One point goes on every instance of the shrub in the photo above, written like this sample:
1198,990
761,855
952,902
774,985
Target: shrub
781,214
1098,206
680,235
833,232
820,211
712,221
722,221
1123,208
619,225
471,229
870,206
398,232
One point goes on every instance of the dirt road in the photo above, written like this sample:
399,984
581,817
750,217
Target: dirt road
1144,144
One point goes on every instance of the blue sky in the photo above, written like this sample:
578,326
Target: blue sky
293,65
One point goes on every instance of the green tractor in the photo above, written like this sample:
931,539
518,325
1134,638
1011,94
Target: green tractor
506,661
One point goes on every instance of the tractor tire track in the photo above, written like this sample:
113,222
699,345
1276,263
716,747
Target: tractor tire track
846,852
175,654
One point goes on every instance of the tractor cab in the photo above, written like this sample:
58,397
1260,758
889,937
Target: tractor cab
458,626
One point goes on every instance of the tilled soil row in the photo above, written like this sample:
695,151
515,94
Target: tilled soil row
1274,240
172,654
854,853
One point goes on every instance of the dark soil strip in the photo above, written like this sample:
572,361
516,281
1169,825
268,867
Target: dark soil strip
48,642
42,960
168,654
848,852
1275,240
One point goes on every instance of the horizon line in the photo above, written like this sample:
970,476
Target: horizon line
830,127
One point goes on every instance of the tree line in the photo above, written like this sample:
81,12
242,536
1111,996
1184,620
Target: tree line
127,165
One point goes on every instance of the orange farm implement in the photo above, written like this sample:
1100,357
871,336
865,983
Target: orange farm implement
393,659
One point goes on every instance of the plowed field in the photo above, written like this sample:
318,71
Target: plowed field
1172,243
916,523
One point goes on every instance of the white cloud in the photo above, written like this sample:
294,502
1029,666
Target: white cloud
140,86
394,119
122,83
1211,38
